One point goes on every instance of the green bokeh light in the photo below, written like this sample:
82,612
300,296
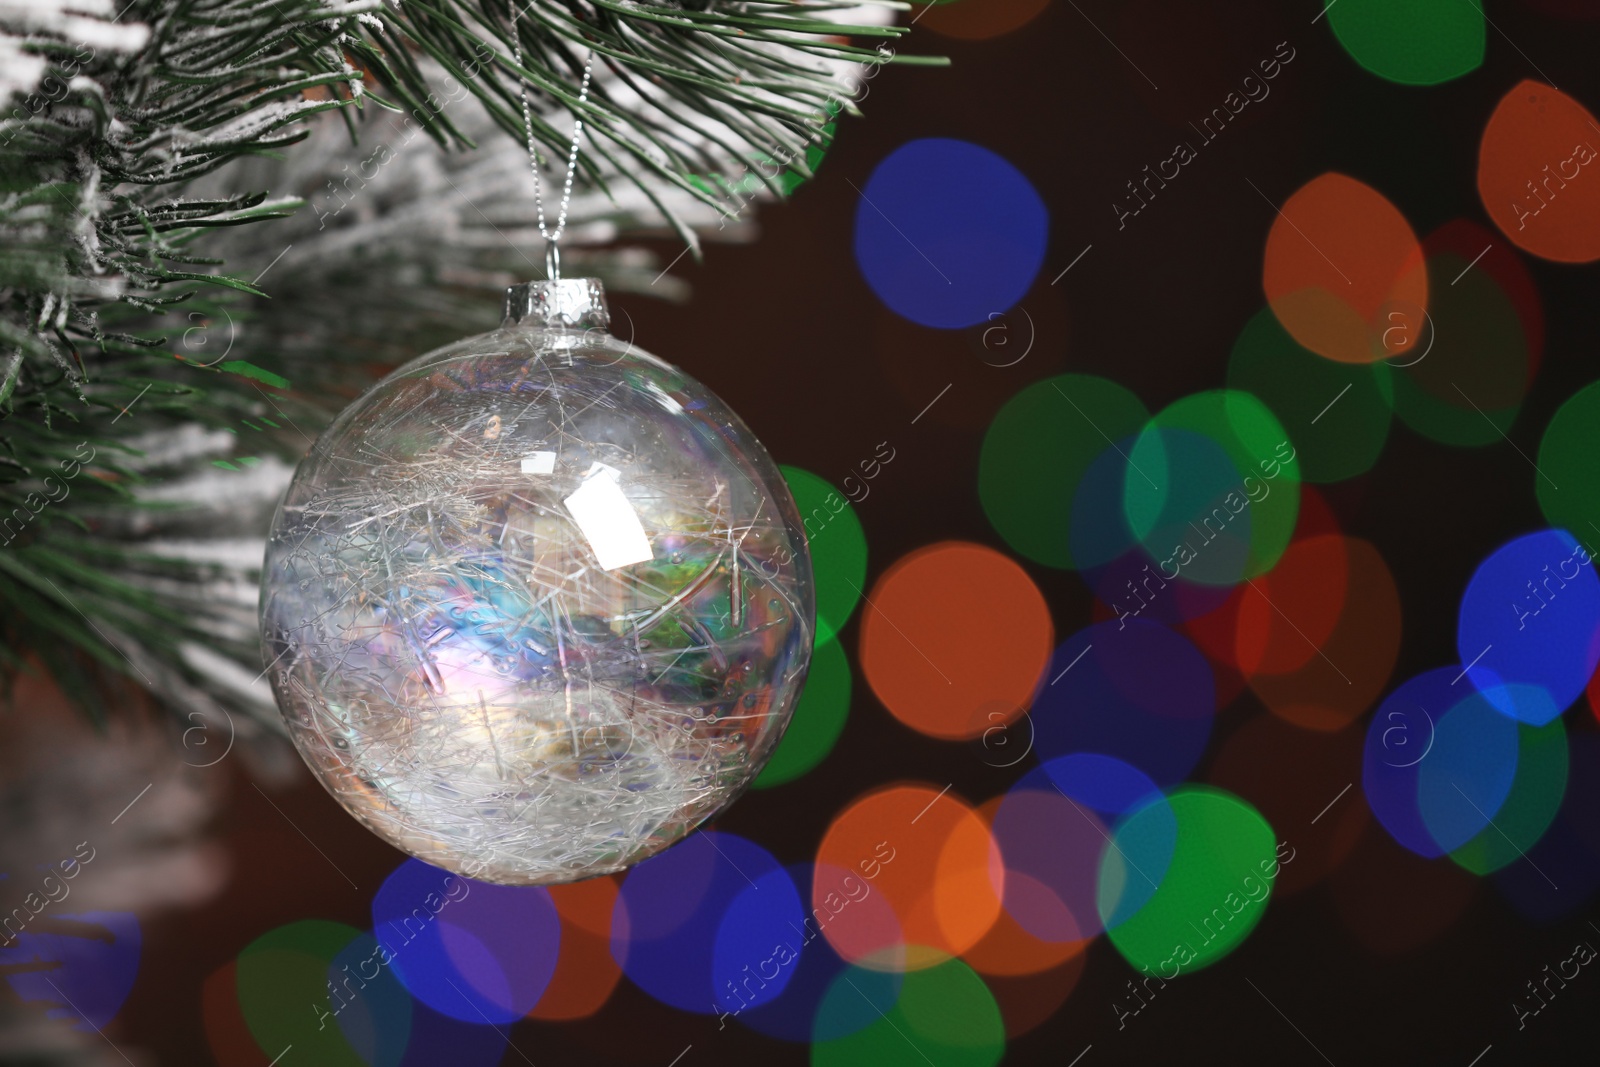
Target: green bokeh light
818,720
1530,807
1173,483
283,991
1216,886
838,549
1036,452
1568,478
1340,412
943,1015
1467,389
1413,42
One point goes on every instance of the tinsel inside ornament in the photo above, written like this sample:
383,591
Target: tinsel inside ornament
537,604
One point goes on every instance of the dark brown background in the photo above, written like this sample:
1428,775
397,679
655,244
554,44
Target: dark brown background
786,330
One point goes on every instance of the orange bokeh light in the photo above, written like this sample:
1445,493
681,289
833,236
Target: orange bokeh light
979,20
954,638
227,1034
1008,948
1217,633
1287,614
1539,173
1352,666
1344,273
935,897
585,972
1028,1001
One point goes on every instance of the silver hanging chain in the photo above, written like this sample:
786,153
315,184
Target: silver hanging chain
552,239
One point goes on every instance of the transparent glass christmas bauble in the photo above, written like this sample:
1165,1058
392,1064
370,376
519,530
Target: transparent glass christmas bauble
537,604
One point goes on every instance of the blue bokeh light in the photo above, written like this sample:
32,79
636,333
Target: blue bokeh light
437,1038
948,233
1439,762
793,1014
1530,625
1102,694
697,927
1135,861
1099,531
1132,805
470,950
1101,783
1054,828
89,962
377,1020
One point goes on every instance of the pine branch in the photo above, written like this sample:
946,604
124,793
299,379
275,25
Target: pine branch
754,79
129,522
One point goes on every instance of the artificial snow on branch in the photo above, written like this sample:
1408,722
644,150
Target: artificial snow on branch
143,141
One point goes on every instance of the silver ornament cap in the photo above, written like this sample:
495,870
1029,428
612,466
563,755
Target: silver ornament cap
568,303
